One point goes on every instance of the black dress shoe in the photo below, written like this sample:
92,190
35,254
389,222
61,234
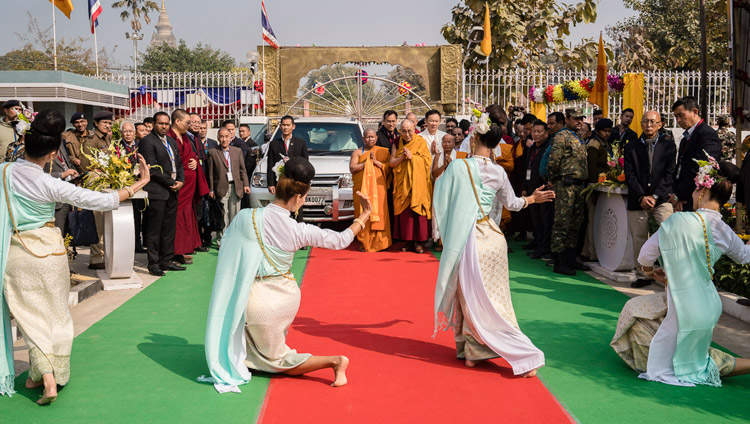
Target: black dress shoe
155,271
172,267
202,249
97,266
546,256
534,254
139,249
641,282
529,246
743,301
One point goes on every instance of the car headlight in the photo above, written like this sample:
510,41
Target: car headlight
345,181
259,180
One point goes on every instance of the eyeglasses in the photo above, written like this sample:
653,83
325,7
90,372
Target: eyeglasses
650,122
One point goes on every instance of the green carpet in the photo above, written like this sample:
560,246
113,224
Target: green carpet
139,364
573,320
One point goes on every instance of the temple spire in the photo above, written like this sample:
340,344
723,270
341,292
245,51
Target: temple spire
163,33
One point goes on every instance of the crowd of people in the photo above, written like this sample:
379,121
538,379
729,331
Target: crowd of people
465,190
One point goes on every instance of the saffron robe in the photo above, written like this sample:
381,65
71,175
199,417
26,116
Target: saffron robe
373,182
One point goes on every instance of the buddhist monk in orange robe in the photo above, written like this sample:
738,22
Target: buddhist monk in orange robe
371,173
411,162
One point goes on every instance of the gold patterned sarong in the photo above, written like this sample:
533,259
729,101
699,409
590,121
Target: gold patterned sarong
640,318
271,307
37,290
493,265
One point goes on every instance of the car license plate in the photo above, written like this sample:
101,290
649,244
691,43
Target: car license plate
315,200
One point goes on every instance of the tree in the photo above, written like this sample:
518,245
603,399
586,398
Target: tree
201,58
526,34
135,9
672,28
36,54
400,74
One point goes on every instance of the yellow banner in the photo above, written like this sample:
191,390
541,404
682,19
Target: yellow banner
539,110
632,97
65,6
487,40
600,93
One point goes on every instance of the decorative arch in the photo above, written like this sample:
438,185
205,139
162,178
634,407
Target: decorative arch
439,66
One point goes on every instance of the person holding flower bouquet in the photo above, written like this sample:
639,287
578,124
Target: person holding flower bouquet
99,139
33,258
649,169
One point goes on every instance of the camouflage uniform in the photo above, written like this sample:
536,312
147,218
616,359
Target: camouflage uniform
727,143
567,169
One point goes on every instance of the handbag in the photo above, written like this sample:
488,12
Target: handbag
82,228
214,214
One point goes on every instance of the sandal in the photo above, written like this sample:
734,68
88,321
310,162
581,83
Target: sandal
419,249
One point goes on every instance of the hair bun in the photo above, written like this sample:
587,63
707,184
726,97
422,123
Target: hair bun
48,122
299,169
730,171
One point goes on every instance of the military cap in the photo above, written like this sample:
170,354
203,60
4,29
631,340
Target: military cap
604,124
11,103
574,112
76,116
103,114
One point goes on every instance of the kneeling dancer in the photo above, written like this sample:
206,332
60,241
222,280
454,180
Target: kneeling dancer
255,296
472,293
667,336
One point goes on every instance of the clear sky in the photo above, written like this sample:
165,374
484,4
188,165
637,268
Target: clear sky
234,25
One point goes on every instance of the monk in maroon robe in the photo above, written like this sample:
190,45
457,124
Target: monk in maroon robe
187,237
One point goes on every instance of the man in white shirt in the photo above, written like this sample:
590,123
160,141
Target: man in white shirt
432,134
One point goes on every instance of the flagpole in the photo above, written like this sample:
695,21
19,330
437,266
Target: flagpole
96,52
54,35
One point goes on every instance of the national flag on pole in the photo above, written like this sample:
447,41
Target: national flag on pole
599,94
65,6
95,9
268,34
486,45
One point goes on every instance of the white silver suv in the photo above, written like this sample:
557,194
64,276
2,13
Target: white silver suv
330,143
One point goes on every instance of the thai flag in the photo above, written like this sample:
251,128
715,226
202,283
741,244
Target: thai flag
95,8
268,34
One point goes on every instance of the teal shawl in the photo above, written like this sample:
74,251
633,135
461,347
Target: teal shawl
27,215
696,301
241,260
456,213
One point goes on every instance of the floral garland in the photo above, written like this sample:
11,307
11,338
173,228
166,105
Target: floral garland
573,90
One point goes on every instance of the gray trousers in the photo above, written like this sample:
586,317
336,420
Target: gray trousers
638,225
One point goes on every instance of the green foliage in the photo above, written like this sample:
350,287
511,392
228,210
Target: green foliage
135,9
526,34
400,74
201,58
666,35
36,54
732,277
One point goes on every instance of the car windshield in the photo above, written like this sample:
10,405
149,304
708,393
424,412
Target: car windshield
328,138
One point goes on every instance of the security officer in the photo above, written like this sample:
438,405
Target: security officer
567,170
100,138
75,138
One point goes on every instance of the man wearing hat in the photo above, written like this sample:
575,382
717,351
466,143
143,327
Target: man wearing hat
11,109
649,171
76,137
99,139
567,171
597,150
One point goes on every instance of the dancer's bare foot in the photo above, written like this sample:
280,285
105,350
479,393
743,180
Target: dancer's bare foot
471,364
50,389
30,384
529,374
339,371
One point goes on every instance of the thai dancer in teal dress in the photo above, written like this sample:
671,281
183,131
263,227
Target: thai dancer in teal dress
666,337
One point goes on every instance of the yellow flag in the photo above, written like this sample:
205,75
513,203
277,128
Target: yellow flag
539,110
632,97
599,95
486,45
65,6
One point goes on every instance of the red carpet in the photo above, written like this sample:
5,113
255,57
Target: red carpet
376,308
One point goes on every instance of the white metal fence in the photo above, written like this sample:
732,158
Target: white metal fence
215,96
661,89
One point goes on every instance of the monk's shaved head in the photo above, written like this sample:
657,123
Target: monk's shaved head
407,123
370,130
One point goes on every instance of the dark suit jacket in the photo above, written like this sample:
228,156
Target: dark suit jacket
703,138
61,164
384,140
251,158
155,153
217,172
532,161
624,139
277,150
645,180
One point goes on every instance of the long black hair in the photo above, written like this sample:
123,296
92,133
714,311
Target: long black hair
43,137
